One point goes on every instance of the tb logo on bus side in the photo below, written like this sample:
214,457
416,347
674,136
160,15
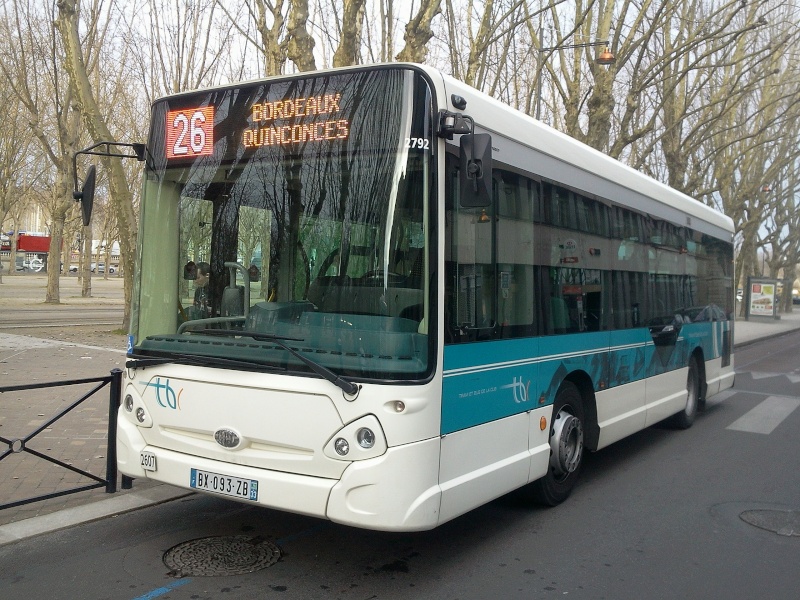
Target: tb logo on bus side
190,132
519,389
169,396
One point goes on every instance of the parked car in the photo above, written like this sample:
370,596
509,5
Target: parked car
101,268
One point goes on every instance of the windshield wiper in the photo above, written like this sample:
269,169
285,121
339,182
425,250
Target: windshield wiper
142,360
348,387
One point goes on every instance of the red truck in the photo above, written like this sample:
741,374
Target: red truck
27,242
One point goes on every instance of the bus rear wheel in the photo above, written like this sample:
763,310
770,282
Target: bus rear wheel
566,448
685,418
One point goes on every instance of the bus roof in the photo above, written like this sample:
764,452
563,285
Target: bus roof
509,122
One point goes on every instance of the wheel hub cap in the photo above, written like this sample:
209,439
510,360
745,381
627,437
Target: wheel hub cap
566,444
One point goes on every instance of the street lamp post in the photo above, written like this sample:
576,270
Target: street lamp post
606,57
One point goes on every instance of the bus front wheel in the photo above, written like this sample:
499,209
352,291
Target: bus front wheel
566,448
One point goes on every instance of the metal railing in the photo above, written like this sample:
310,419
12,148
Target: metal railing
21,444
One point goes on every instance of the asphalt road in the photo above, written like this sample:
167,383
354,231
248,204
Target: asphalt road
710,512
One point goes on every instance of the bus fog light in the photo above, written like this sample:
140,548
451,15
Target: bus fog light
129,403
140,415
399,406
365,437
341,446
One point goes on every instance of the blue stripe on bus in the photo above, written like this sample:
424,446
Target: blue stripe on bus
486,381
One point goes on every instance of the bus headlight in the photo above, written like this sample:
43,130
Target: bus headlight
359,440
365,437
341,446
134,410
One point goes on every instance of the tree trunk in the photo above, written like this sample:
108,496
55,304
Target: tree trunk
298,43
120,195
274,54
419,32
350,39
86,272
54,260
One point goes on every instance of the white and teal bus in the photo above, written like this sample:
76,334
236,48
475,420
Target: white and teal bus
378,296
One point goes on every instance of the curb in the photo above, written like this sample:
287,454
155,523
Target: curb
20,530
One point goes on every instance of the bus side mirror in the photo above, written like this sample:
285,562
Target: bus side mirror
476,170
86,195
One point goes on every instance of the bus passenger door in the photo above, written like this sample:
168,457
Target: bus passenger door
489,372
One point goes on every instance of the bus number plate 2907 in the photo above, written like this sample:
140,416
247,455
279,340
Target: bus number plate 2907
147,460
246,489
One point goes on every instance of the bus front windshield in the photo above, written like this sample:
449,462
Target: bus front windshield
291,213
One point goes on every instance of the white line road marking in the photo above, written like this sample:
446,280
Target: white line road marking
765,417
756,375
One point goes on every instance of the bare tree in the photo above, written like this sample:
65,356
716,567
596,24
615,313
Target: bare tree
32,66
78,64
299,43
15,146
418,32
350,36
188,44
269,29
282,32
478,39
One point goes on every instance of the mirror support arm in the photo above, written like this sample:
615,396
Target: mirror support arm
86,195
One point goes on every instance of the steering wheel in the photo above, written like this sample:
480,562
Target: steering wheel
378,274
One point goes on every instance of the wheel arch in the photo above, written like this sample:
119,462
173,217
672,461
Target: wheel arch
583,382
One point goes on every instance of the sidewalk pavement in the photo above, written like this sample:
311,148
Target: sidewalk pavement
80,438
759,328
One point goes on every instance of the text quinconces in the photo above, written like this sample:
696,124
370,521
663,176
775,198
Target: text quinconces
295,134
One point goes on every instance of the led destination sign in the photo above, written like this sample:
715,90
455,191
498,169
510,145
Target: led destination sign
293,121
190,131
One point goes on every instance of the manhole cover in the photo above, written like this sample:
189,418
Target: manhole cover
782,522
224,555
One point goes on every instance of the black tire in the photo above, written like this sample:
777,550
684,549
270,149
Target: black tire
685,418
566,448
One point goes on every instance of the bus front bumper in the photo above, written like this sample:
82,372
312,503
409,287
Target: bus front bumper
397,491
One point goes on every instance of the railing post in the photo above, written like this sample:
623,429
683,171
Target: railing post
113,408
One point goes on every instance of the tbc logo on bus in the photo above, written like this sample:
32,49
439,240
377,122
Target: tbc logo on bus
519,389
169,396
190,132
